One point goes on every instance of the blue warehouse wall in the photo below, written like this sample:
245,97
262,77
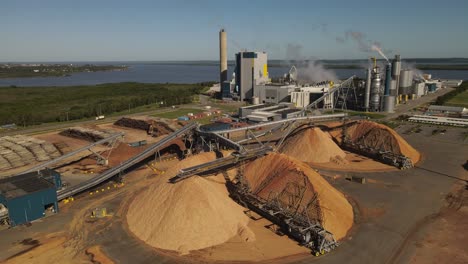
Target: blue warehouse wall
31,206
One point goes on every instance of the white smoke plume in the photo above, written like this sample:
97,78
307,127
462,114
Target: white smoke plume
315,72
377,48
364,44
360,39
309,69
417,73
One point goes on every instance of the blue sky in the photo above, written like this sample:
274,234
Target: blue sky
188,30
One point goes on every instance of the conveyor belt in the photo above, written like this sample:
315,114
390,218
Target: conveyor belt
317,118
125,165
334,89
50,162
219,163
227,142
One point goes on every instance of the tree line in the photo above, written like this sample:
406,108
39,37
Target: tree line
26,106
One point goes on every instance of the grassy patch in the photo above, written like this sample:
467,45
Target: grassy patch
460,99
458,95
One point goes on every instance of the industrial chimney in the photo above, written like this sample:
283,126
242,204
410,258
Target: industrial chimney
222,57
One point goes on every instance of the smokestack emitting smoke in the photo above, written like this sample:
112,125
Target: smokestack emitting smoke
223,57
377,48
362,42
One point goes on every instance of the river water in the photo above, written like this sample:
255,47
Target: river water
177,73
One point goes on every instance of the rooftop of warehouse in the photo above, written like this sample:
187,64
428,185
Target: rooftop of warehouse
273,108
288,111
20,185
263,114
447,108
256,106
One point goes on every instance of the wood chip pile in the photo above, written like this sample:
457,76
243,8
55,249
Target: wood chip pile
87,134
17,151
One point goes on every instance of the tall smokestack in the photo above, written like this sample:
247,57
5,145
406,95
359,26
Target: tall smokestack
367,91
388,79
222,56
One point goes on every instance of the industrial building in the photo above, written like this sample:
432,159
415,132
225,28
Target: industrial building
268,112
27,197
302,96
451,111
251,82
273,93
383,89
251,70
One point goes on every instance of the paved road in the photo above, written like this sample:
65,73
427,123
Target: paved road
411,104
58,126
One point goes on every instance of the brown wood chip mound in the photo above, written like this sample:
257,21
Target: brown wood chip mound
381,137
192,214
312,145
274,172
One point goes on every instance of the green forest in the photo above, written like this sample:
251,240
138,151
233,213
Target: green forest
27,106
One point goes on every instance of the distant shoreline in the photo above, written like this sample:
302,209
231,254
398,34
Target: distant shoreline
29,70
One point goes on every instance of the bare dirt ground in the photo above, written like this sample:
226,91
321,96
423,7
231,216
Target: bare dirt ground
443,238
412,216
131,135
354,163
267,246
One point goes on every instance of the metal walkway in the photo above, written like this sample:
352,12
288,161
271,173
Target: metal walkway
261,125
217,164
62,194
344,84
50,162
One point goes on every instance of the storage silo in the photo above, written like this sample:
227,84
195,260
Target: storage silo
396,68
389,103
375,90
393,87
406,81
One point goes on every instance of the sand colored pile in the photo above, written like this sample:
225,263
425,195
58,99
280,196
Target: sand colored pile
381,137
312,145
192,214
279,169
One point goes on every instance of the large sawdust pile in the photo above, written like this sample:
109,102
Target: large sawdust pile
381,137
192,214
271,174
312,145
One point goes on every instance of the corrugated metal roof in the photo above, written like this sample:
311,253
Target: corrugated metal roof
446,108
23,184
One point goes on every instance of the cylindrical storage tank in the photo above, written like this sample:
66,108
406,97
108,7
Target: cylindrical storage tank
375,91
389,103
388,79
393,87
223,56
406,81
406,78
255,100
396,67
367,90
